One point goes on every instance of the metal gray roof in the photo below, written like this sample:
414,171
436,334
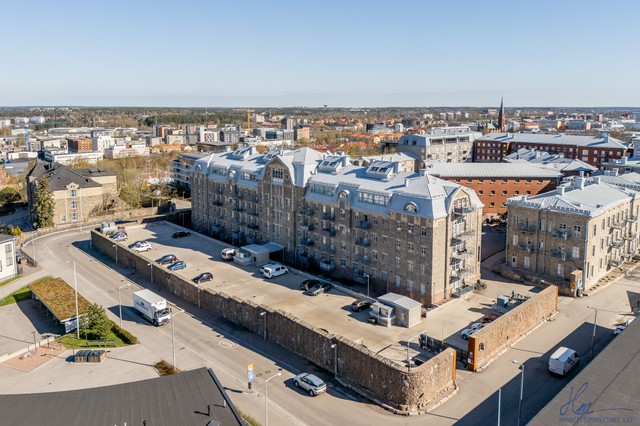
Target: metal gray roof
179,399
59,176
399,300
6,238
590,199
600,141
609,384
544,159
489,170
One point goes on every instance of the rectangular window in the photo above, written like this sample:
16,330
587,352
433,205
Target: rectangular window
423,231
410,228
410,247
7,248
74,217
9,261
397,262
423,250
423,289
575,252
410,265
343,263
73,193
74,204
398,244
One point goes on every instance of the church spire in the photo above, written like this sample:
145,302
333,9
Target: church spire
502,120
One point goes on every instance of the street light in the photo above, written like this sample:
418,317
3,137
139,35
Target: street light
335,359
266,396
116,246
409,341
595,322
75,284
198,287
367,285
521,389
173,338
150,265
264,325
120,301
499,404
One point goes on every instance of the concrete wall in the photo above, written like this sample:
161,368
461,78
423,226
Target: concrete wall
487,343
377,378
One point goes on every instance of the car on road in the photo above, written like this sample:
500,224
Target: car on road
360,305
619,329
181,234
120,236
469,331
141,246
310,383
273,270
203,277
167,258
180,264
227,253
319,289
307,284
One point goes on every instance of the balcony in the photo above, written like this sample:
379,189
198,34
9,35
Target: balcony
328,232
462,254
363,242
614,263
459,211
220,190
363,225
358,276
328,248
238,195
217,203
238,209
629,237
307,211
253,226
306,227
560,234
529,248
559,254
527,228
633,217
307,242
365,260
254,198
617,225
216,230
328,216
253,213
465,235
461,272
617,244
326,265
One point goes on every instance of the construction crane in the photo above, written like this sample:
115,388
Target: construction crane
249,111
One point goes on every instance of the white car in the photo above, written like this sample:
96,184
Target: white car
619,329
142,246
273,270
311,383
469,331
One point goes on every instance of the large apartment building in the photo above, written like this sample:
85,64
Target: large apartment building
594,150
399,231
445,144
574,235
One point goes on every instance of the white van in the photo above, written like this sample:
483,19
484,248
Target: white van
563,361
273,270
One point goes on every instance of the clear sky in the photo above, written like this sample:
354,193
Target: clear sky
311,53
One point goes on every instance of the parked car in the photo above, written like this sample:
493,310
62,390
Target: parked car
141,246
319,289
180,264
227,253
181,234
120,236
203,277
619,329
274,270
469,331
167,258
360,305
307,284
312,384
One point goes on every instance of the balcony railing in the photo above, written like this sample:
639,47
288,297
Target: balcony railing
529,248
326,265
253,226
617,244
360,277
365,260
527,228
306,227
363,242
560,234
363,225
617,225
238,208
328,248
559,254
253,213
328,216
217,203
307,211
614,263
462,254
307,242
328,232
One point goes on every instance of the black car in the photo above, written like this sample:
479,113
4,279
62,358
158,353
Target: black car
203,277
307,284
181,234
360,305
169,258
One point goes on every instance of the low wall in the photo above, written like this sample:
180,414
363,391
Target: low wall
377,378
487,344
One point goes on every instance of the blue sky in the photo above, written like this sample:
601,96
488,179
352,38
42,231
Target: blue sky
310,53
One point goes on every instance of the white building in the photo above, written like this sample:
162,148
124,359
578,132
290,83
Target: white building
64,158
8,261
122,151
38,119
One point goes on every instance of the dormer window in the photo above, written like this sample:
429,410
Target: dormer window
411,208
344,194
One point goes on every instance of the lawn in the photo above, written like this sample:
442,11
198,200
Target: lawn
5,282
70,340
18,296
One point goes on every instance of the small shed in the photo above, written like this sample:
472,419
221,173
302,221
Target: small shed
408,312
255,254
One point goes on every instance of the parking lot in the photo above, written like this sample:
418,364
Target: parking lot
330,311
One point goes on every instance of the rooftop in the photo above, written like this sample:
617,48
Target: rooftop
59,298
599,141
498,170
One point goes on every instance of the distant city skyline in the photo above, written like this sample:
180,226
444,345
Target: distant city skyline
342,54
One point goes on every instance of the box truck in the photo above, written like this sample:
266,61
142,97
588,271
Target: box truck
563,360
152,307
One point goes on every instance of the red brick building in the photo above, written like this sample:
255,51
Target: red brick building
593,150
80,144
495,183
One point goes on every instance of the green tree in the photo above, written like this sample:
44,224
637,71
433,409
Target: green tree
43,205
97,321
9,195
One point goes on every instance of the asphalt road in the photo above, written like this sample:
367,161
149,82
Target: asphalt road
203,341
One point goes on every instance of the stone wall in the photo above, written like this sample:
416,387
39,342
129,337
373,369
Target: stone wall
488,343
377,378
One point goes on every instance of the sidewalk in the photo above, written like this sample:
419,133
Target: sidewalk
29,275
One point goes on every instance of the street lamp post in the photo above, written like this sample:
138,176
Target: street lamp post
75,284
116,246
595,322
264,325
367,285
35,346
335,359
266,397
173,338
120,301
198,287
499,404
409,341
521,389
150,265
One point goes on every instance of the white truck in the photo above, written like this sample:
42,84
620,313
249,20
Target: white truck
152,307
563,360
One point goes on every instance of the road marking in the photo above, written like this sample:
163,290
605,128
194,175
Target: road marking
227,344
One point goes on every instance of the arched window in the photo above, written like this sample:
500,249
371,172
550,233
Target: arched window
411,207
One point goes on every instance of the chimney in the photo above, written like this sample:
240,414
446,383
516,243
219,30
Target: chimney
560,190
579,182
406,182
423,172
597,180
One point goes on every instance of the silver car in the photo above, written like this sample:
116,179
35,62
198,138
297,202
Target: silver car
312,384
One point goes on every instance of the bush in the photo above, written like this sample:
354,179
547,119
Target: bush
124,335
165,369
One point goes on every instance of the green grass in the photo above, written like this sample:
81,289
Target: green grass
70,340
18,296
248,419
5,282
